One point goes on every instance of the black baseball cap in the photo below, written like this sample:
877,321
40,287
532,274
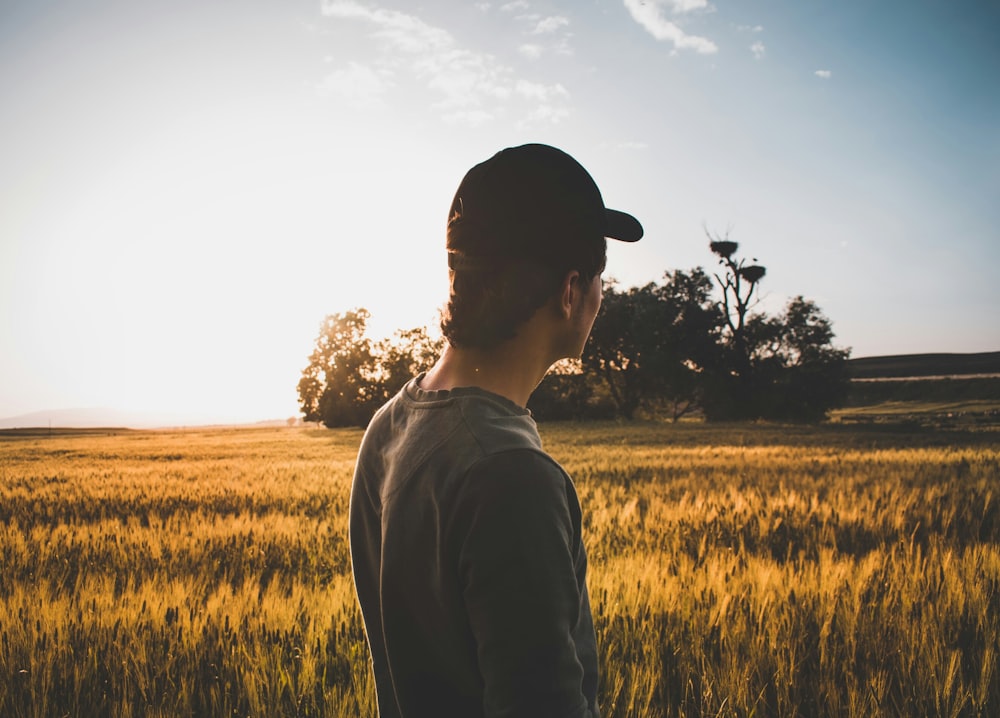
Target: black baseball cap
527,201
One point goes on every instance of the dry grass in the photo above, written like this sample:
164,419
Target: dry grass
739,571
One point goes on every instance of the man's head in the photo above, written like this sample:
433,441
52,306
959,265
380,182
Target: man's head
519,223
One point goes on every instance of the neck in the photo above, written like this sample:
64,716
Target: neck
512,370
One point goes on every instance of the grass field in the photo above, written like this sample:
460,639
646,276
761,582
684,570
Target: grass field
735,571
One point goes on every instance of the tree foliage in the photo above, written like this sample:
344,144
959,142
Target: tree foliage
783,367
622,345
648,343
691,338
568,394
349,376
810,374
673,348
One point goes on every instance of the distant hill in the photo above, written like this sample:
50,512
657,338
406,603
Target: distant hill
924,365
94,418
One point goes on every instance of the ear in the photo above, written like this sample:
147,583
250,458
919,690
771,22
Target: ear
569,293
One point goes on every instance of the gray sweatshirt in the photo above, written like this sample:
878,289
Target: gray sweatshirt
468,563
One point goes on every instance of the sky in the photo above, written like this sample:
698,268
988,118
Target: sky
188,188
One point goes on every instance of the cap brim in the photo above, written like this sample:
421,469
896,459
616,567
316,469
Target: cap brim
621,226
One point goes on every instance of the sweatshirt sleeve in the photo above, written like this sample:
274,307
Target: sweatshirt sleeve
518,551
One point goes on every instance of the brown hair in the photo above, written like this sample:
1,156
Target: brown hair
487,305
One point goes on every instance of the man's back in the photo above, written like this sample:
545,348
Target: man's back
468,562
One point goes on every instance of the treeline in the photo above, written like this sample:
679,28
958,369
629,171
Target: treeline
683,346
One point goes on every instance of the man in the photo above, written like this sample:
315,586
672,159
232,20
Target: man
465,535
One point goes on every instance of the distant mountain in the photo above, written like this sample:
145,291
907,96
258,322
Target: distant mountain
102,418
917,365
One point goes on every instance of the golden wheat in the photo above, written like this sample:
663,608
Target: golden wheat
739,570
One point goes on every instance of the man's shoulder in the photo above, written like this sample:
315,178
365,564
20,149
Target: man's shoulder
446,433
495,426
518,468
469,416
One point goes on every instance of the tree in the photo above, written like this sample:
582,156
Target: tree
810,373
349,377
690,339
623,344
649,344
567,393
738,283
399,359
783,367
338,386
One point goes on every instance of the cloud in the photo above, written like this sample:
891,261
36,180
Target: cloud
471,118
825,74
357,85
539,92
562,47
546,114
469,86
550,24
404,32
750,28
649,14
758,50
516,5
552,27
548,102
530,51
682,6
